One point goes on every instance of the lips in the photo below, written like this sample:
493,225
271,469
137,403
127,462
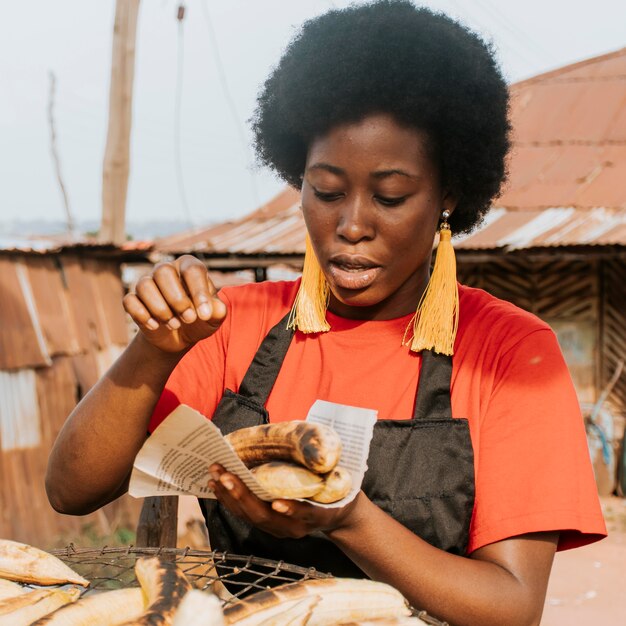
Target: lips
353,271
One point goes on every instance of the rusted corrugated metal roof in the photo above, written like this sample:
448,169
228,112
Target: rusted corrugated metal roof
36,244
276,227
514,230
567,182
58,305
570,137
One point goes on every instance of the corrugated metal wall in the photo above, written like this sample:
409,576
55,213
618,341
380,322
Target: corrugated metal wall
583,300
61,326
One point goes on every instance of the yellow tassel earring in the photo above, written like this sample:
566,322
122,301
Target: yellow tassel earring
308,314
436,321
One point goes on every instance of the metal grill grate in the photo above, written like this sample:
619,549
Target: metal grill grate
113,568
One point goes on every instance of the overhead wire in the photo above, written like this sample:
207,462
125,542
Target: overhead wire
226,90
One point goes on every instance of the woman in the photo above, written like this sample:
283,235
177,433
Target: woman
393,122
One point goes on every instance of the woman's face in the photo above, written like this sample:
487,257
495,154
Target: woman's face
372,200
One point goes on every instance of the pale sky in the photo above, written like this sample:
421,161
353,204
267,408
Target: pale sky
72,38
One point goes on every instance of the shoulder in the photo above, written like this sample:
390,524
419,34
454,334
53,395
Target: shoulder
487,320
253,309
266,296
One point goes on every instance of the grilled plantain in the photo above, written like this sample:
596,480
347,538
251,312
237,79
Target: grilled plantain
337,485
164,586
199,608
341,600
297,615
269,613
387,621
315,446
26,564
28,608
109,608
9,589
286,480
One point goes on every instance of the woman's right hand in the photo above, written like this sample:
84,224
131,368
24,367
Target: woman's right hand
176,306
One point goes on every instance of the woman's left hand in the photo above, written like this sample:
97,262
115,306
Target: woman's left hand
281,518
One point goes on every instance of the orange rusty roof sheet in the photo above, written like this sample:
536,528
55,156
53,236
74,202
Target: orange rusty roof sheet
276,227
542,228
58,305
569,132
567,183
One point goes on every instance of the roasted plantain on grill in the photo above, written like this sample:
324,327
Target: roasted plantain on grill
23,563
164,587
341,600
109,608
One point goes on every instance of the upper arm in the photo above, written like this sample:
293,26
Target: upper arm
533,471
528,558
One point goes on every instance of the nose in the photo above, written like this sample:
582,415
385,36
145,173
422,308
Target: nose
354,221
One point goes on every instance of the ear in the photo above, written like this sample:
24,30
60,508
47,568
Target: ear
449,202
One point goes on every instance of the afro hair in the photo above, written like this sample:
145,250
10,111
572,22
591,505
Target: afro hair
423,68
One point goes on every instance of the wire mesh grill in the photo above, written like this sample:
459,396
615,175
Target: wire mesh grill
113,568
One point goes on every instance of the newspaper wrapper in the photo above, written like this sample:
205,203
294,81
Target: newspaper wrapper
175,459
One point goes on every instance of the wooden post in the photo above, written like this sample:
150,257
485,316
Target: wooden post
116,155
158,522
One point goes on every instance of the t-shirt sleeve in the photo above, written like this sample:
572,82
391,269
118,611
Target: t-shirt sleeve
198,379
533,469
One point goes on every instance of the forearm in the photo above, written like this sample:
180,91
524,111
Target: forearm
463,591
93,454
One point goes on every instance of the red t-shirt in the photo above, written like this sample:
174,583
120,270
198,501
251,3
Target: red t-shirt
509,379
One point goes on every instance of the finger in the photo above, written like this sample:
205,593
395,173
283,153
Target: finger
226,499
302,511
256,509
283,507
198,284
140,315
169,282
216,470
218,310
213,312
152,298
234,495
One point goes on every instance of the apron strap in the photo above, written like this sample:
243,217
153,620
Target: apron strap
433,393
263,371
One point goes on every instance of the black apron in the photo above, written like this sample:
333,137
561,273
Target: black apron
420,471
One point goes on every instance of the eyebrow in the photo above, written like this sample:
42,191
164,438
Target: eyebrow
386,173
333,169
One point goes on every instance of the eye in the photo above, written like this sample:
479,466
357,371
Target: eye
391,201
327,196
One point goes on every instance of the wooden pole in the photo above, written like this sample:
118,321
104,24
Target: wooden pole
117,152
158,522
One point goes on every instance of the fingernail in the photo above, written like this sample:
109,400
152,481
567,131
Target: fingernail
280,507
152,324
204,310
227,482
189,316
173,324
